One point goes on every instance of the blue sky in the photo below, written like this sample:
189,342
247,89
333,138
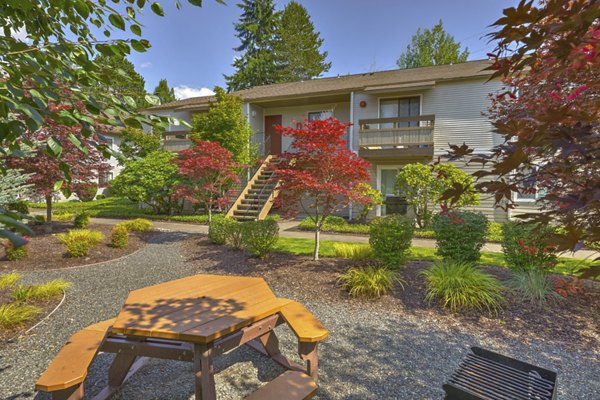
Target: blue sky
193,47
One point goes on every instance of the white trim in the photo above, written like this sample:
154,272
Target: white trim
378,180
329,110
420,96
351,129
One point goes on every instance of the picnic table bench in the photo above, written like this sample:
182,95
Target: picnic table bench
192,319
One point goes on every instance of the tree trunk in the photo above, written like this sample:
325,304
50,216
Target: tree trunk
48,226
317,237
209,215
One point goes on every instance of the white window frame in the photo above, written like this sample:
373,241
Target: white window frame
516,198
319,111
420,96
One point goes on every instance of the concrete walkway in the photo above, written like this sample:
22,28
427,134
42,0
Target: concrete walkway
289,229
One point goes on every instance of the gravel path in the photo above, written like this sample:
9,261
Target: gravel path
370,354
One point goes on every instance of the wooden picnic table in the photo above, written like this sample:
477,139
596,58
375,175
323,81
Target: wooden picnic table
192,319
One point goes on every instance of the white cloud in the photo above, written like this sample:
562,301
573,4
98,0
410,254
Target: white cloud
185,92
146,65
20,34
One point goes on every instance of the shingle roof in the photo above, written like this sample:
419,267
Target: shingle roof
343,84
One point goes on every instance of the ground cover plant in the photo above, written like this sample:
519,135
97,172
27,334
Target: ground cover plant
354,251
79,241
137,225
369,281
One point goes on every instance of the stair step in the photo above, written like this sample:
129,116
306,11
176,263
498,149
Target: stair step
246,212
291,385
249,206
244,218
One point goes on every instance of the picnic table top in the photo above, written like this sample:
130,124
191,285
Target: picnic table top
198,309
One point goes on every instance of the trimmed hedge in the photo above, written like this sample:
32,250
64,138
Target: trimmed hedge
390,237
460,235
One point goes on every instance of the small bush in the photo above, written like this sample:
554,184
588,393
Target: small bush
62,216
390,238
12,315
526,246
38,220
463,286
20,206
533,285
9,280
218,230
494,232
137,225
260,237
87,192
460,235
371,281
235,234
119,237
79,241
81,220
353,251
14,253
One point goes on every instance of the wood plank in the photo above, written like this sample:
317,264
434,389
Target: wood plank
304,324
71,364
291,385
234,321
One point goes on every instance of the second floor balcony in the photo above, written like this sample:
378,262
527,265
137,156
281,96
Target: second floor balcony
394,137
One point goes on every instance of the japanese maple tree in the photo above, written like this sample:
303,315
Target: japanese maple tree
320,174
209,172
548,56
61,158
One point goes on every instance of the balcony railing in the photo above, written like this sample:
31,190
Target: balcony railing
392,132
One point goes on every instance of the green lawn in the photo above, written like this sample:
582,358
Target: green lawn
304,247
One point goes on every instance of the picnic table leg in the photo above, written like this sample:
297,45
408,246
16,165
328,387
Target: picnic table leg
308,352
204,372
271,344
119,369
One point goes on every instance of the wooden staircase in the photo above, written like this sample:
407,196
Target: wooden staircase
256,200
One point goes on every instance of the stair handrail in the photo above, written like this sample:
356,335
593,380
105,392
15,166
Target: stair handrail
274,192
245,191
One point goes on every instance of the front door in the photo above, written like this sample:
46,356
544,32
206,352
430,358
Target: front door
272,137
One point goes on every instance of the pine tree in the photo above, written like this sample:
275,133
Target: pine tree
164,92
256,30
121,79
432,47
298,45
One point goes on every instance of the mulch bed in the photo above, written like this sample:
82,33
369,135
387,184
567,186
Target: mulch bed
573,322
45,251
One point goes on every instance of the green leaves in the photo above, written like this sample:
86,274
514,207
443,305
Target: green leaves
157,9
117,21
54,146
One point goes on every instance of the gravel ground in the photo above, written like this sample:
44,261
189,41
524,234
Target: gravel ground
370,354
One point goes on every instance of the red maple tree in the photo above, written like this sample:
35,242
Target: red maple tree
209,172
320,174
62,158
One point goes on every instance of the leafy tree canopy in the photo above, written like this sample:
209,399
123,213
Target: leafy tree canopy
120,78
136,143
165,93
432,47
225,123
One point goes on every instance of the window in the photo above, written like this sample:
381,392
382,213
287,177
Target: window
319,115
105,178
530,191
398,108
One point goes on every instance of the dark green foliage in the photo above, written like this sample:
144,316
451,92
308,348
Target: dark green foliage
235,234
119,237
460,235
260,237
432,47
298,45
136,143
370,281
527,246
81,220
164,92
218,230
461,286
21,206
120,78
14,253
390,238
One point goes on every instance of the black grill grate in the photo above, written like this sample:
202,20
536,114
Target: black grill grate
485,375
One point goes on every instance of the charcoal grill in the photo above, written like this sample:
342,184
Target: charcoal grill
485,375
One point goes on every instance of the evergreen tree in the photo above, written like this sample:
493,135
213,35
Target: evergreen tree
121,79
432,47
298,45
256,30
164,92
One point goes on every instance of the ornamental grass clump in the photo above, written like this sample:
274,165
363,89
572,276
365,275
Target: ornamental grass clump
390,239
353,251
12,315
9,280
78,242
119,237
369,281
460,235
462,286
533,285
137,225
45,291
260,237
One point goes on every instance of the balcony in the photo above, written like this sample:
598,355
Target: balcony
385,138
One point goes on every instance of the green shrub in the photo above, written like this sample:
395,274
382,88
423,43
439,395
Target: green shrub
463,286
533,285
137,225
20,206
218,230
79,241
260,237
62,216
8,280
235,234
390,238
370,281
353,251
494,232
81,220
38,220
460,235
119,237
87,192
12,315
526,246
14,253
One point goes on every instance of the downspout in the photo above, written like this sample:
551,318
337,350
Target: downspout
351,141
